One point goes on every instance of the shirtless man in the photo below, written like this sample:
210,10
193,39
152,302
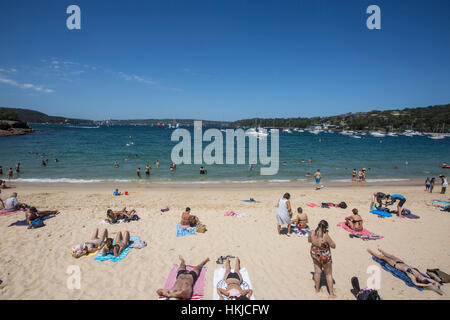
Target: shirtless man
183,287
301,221
355,221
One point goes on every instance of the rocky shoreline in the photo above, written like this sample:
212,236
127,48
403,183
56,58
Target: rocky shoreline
15,132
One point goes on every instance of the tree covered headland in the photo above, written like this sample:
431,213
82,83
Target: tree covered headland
428,119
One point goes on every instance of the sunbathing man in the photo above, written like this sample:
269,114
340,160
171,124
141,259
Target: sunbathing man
413,273
95,244
233,281
113,216
33,214
355,222
302,219
187,219
121,243
184,285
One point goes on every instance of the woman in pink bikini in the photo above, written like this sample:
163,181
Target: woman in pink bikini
233,281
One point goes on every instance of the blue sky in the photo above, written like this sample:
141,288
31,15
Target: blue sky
222,60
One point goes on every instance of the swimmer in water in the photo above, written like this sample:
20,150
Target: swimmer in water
157,163
147,170
138,172
317,177
116,164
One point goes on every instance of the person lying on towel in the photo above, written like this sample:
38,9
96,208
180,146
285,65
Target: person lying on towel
95,244
354,222
184,285
413,273
113,216
233,281
121,243
33,214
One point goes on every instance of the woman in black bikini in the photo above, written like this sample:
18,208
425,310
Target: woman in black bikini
321,243
234,281
413,273
354,222
121,243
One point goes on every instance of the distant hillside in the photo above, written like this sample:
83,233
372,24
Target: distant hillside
428,119
32,116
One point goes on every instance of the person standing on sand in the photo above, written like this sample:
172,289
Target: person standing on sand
320,252
317,176
444,183
432,182
284,213
185,281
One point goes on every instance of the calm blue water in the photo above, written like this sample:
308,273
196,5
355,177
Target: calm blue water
89,154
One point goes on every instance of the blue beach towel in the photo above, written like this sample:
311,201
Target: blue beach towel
110,256
251,201
397,273
441,202
185,231
381,213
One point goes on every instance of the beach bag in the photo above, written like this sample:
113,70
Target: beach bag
134,217
201,229
368,294
406,212
37,223
342,205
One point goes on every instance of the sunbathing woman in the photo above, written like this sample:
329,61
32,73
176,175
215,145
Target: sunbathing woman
233,281
321,255
301,221
413,273
117,248
95,244
113,216
33,214
184,284
355,222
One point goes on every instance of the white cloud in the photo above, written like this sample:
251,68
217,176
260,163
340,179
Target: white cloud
14,83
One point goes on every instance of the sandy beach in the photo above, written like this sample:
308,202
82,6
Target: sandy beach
34,262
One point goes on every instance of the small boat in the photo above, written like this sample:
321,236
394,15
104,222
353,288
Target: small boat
437,136
377,134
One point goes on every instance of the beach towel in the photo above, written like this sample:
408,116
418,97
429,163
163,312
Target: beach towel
185,230
218,281
24,223
381,213
301,232
398,273
5,213
110,256
199,286
312,205
234,214
441,202
364,234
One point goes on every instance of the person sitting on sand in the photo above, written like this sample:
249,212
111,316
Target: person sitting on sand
233,281
354,222
301,221
12,204
320,252
377,197
33,214
187,219
184,284
3,184
113,216
391,199
413,273
95,244
121,243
